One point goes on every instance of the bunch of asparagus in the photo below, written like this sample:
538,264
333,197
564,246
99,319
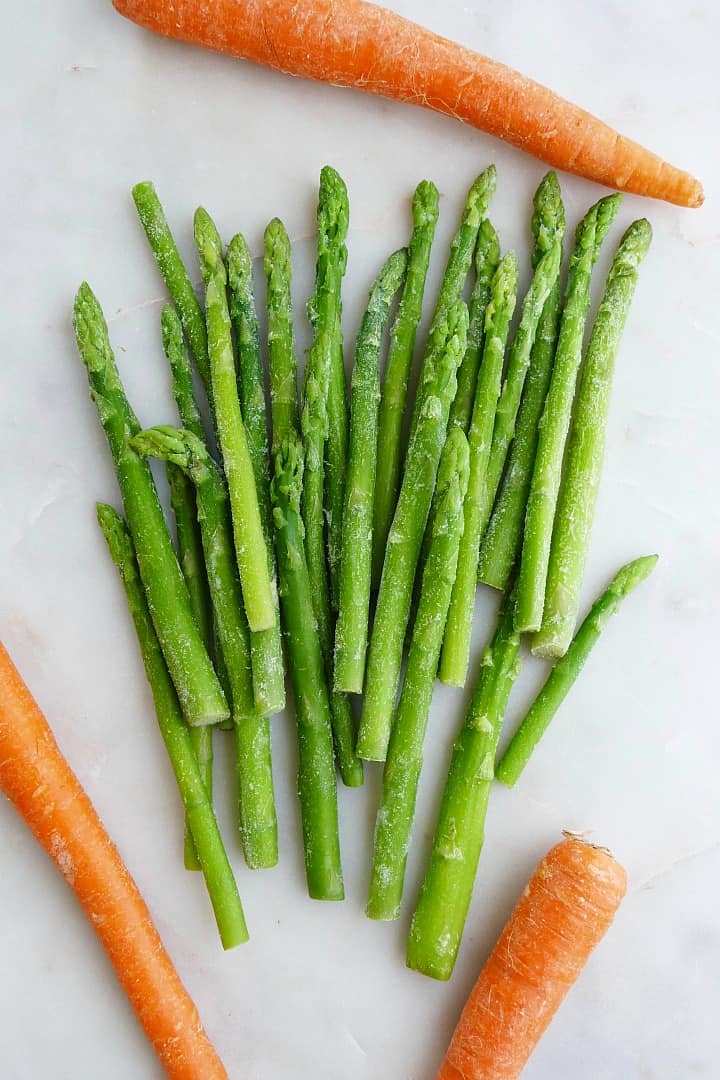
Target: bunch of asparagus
322,534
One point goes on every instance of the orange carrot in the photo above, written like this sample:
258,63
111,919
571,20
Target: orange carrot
38,780
358,44
564,912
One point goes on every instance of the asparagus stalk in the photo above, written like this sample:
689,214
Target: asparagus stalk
192,564
445,351
439,918
456,647
258,823
317,785
175,276
281,339
351,631
397,369
487,257
219,879
503,538
200,693
324,313
190,418
404,761
459,261
555,420
268,668
586,448
189,546
250,547
566,670
543,279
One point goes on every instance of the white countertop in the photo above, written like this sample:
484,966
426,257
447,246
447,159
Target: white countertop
93,104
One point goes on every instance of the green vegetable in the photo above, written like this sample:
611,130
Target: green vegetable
566,670
397,369
404,760
586,448
555,420
189,542
266,645
503,537
324,310
175,276
439,918
487,257
258,823
281,340
189,546
324,313
456,647
459,261
317,785
199,814
351,631
250,549
200,694
445,351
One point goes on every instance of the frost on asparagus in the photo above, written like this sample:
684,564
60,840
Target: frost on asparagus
456,646
445,350
397,368
555,420
404,760
503,538
586,448
351,631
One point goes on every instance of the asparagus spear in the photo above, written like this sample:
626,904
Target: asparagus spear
555,420
192,564
397,369
487,257
200,694
439,918
175,276
250,547
324,310
404,761
187,453
503,538
317,786
586,448
219,879
566,670
281,339
268,668
189,546
459,261
258,824
182,382
351,631
456,647
190,418
445,350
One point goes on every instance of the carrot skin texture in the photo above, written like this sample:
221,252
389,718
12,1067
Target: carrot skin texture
362,45
564,912
48,796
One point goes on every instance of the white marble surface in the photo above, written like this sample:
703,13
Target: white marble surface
92,104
